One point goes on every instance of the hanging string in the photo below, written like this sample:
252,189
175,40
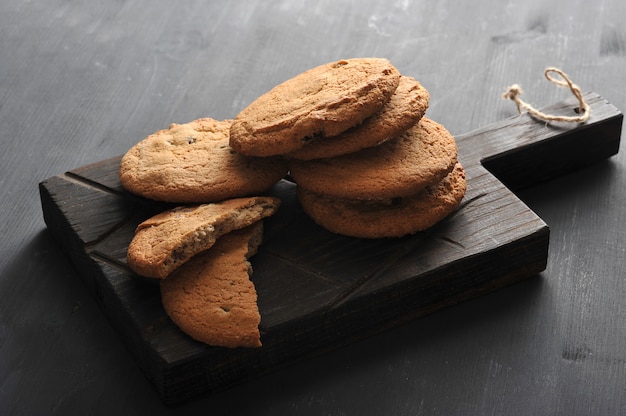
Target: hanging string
583,111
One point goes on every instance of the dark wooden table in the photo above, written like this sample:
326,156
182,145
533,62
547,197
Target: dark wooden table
81,83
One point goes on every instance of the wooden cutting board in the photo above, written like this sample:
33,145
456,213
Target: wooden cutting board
317,290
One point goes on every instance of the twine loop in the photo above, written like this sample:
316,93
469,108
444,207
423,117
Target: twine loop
583,111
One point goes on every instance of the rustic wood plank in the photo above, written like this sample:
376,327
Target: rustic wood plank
317,290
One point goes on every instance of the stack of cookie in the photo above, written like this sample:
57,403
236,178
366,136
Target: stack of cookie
366,161
353,135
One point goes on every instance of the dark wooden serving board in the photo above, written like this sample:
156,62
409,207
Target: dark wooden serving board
316,290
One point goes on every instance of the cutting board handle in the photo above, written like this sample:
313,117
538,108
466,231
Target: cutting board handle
522,151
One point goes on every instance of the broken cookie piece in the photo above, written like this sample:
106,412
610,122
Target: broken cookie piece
211,297
164,242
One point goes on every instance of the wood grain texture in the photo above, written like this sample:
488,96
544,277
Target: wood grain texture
317,290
